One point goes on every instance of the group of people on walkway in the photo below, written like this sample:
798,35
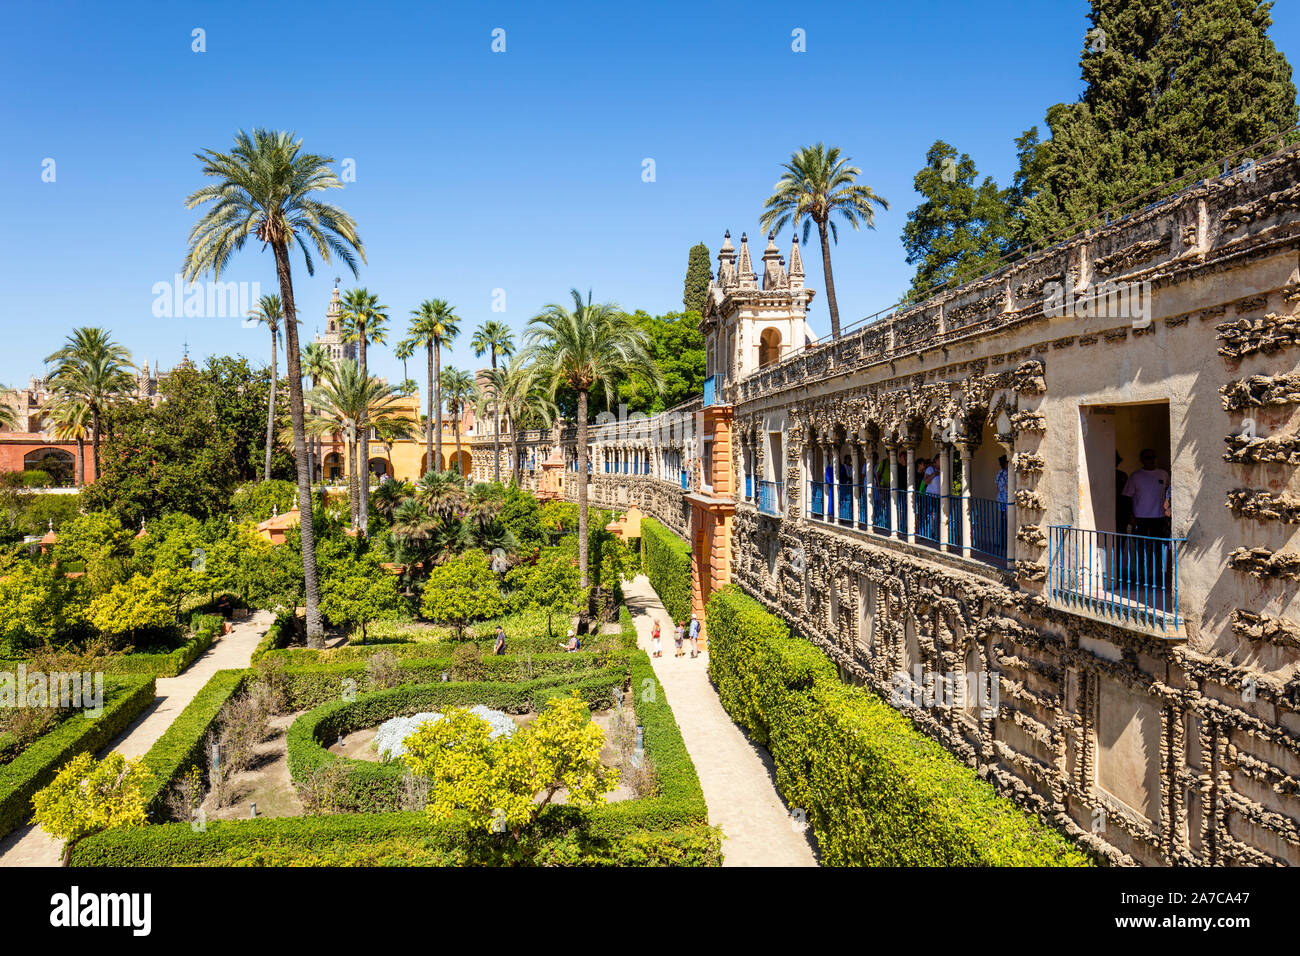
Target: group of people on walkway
681,633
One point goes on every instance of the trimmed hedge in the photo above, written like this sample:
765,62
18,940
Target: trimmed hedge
377,787
125,698
666,560
669,829
877,791
276,636
311,686
181,746
394,839
171,664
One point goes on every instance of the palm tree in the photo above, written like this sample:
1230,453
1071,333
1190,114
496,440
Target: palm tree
362,319
270,313
70,416
390,495
521,392
94,369
433,324
588,346
315,364
496,339
403,350
263,189
818,185
441,493
347,401
461,391
8,417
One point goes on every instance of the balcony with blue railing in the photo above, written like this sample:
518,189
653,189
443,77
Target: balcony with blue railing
881,510
708,391
817,499
769,497
844,503
1128,579
686,485
988,528
749,487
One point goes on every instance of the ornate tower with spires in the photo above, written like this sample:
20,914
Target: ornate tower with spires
333,337
747,324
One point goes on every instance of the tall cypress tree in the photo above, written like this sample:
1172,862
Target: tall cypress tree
1171,85
697,278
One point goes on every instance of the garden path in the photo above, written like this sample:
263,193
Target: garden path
736,774
31,846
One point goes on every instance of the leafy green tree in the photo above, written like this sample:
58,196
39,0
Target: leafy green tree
1170,85
258,500
817,187
588,347
42,606
504,783
462,589
523,398
551,585
264,189
357,591
960,230
698,274
139,604
521,513
100,545
90,795
677,349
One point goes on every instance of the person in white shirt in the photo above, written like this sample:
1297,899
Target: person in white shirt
1150,491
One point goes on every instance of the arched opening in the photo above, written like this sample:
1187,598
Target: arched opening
55,462
379,467
769,347
333,467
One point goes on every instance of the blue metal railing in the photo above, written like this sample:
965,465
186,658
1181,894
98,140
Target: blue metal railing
769,497
954,520
988,527
927,516
900,511
864,507
880,510
1129,578
817,498
686,485
708,391
749,487
844,502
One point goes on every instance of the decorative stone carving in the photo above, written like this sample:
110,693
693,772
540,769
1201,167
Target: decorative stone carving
1027,421
1265,627
1261,391
1028,379
1265,207
1265,563
1266,335
1031,570
1030,500
1264,505
1032,534
1250,451
1132,255
1027,463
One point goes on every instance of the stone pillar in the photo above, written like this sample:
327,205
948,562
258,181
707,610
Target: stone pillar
966,454
910,496
945,499
857,483
1011,504
869,485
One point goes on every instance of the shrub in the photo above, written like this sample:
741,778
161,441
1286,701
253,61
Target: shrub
89,795
383,670
125,699
467,663
666,560
464,589
876,790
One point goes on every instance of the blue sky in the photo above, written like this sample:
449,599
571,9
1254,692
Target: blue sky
476,170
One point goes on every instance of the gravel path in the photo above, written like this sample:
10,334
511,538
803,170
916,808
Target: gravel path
736,774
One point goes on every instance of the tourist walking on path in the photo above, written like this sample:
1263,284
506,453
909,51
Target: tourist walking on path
500,647
656,643
695,634
678,634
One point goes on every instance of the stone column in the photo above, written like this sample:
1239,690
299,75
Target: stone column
910,497
967,452
945,499
857,483
1011,503
869,485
